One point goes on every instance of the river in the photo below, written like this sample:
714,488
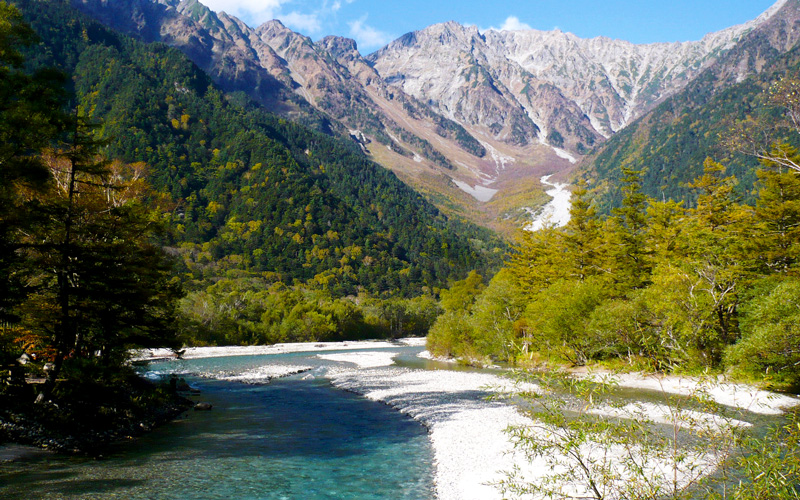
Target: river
369,421
288,439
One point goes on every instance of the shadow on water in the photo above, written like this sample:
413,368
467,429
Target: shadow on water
42,486
290,439
286,418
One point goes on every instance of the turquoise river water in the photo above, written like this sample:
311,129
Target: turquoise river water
294,438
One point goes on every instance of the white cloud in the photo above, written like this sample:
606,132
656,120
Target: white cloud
305,23
512,23
250,11
366,36
309,16
337,4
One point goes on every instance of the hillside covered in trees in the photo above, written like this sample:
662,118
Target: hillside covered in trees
140,206
82,280
257,211
655,286
708,118
250,193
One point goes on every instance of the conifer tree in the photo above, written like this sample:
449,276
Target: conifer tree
776,237
538,260
716,248
30,119
582,241
101,286
629,246
666,221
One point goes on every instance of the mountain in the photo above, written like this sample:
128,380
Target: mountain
553,86
217,44
471,119
252,195
326,84
671,142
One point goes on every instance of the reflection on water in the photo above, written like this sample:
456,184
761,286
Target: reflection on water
290,439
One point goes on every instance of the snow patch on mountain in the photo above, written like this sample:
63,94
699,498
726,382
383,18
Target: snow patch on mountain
501,161
480,193
522,86
565,154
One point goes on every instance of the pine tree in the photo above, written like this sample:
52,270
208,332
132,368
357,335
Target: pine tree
666,220
715,245
539,259
777,216
582,240
101,286
629,252
30,119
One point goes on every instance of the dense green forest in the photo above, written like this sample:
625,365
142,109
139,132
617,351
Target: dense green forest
254,192
263,204
142,207
654,286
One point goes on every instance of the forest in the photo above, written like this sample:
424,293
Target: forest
82,279
656,286
251,199
670,143
254,230
141,206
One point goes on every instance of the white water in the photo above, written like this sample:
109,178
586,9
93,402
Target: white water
556,212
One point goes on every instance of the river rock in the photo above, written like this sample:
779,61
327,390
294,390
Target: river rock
182,386
203,406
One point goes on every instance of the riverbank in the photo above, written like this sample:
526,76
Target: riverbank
719,389
735,395
468,430
467,412
87,424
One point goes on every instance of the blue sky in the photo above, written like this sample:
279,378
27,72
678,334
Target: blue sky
374,23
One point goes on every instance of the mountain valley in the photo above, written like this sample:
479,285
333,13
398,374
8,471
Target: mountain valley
470,119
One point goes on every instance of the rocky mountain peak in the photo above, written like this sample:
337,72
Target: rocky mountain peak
340,47
604,83
272,28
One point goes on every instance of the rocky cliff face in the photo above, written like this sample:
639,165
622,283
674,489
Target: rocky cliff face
671,141
283,70
522,86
